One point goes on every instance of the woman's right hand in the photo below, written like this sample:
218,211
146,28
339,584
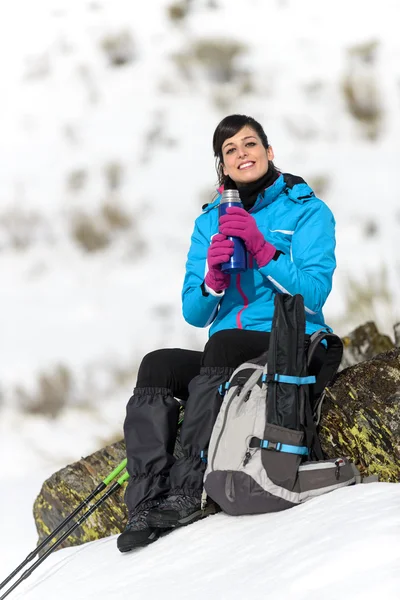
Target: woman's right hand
219,252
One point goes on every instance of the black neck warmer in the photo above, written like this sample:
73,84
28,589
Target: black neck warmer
249,192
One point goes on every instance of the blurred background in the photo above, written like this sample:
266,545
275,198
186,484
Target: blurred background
107,110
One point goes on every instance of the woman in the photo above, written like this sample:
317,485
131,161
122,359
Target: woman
290,239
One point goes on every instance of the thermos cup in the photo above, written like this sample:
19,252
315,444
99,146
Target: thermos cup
238,260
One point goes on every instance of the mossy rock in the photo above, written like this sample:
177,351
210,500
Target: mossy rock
361,416
67,488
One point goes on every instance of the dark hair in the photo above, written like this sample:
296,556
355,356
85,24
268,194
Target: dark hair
227,128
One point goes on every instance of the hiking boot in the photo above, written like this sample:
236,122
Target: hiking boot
178,510
137,532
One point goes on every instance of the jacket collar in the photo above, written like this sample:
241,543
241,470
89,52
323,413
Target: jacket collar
295,188
269,195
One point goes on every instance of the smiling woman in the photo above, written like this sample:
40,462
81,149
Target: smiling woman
289,237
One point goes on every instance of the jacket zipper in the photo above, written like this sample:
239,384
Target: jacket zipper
245,302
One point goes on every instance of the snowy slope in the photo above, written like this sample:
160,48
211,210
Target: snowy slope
343,545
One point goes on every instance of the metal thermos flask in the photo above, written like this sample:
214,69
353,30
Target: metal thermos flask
238,260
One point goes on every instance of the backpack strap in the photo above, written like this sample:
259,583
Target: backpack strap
256,442
311,433
326,371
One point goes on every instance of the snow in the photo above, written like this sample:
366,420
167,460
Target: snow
344,545
64,109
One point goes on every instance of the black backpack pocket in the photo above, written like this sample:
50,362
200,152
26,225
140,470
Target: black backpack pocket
282,451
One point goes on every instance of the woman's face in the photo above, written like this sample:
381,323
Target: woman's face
244,157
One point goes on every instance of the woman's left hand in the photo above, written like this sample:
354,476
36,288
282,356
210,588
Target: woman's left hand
239,223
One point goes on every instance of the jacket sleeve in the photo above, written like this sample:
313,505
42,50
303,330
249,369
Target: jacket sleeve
309,268
198,309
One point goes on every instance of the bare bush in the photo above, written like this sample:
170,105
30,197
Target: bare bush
361,296
319,183
20,229
89,232
115,216
113,172
77,179
178,11
110,223
53,393
368,298
361,88
157,136
37,67
370,228
218,57
119,48
89,81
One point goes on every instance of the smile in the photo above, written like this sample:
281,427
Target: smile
246,165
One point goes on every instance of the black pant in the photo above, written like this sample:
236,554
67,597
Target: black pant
152,413
174,368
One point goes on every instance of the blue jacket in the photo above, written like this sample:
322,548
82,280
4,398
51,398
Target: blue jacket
296,222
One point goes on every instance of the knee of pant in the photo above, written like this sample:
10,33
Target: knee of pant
216,346
154,370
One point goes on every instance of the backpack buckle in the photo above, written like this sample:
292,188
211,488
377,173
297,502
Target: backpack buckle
274,446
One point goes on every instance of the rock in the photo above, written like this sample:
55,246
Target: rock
364,343
396,329
360,419
64,490
361,416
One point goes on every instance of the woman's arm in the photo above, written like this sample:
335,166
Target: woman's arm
199,306
309,268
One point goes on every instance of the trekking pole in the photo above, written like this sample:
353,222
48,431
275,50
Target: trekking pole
64,536
52,535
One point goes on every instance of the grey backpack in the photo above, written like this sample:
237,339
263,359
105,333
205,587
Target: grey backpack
264,454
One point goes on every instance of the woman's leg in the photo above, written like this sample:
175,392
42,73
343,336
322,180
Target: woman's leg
150,430
224,351
151,421
232,347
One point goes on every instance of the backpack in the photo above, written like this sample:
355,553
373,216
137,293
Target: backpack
264,453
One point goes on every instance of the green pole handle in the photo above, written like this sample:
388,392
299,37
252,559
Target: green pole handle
116,471
122,479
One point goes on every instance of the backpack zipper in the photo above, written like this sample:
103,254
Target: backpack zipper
221,430
248,456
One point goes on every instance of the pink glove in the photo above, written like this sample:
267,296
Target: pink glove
237,222
219,252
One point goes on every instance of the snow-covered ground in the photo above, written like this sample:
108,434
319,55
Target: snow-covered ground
343,545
